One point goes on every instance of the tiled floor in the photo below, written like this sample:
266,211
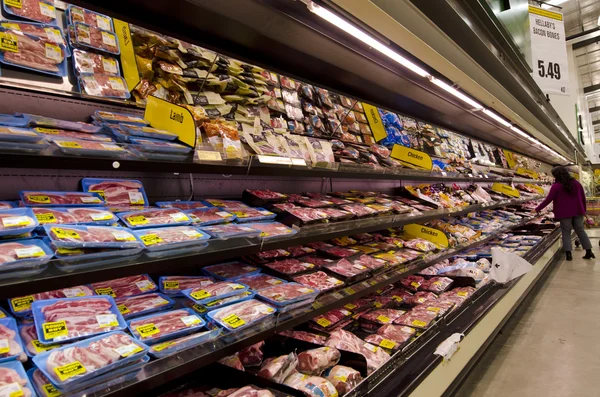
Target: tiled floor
551,346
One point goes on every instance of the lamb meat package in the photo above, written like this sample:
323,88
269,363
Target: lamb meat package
67,236
316,361
67,319
125,286
343,378
279,368
134,306
117,192
161,326
241,315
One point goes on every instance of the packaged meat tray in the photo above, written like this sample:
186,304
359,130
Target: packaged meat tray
260,198
290,267
210,216
259,282
421,245
91,18
71,259
305,336
312,386
91,63
155,217
277,369
359,210
286,294
345,340
15,134
42,121
69,319
125,286
252,214
31,342
22,258
319,280
215,303
412,283
80,147
87,216
92,37
267,256
139,305
303,216
64,134
382,316
182,205
11,345
338,252
439,307
24,147
103,86
17,221
241,315
176,345
369,262
227,204
392,337
231,270
33,53
272,230
218,290
149,132
359,305
6,205
318,261
162,326
230,231
43,198
347,270
112,117
316,361
437,284
300,250
332,318
15,380
418,317
419,297
67,236
70,365
174,285
343,378
21,306
35,10
175,239
159,146
118,192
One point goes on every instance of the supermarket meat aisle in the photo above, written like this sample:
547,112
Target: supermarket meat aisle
549,347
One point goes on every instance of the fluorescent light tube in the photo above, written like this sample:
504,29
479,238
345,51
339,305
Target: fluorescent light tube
365,38
497,118
476,105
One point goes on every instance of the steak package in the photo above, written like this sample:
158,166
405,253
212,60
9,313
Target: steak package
316,361
155,217
418,317
125,286
412,283
241,315
343,378
279,368
24,257
231,270
11,345
134,306
382,316
175,285
117,192
332,318
32,52
17,221
42,198
67,319
259,282
158,327
437,284
319,280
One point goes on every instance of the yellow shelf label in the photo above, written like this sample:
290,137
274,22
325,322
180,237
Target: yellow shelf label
435,236
412,158
170,117
537,188
419,323
506,189
375,122
526,172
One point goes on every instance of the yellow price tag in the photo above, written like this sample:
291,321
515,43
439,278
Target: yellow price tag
137,220
105,291
388,344
69,144
47,217
147,330
22,304
38,199
55,329
9,42
233,321
40,348
70,370
50,390
350,306
383,319
200,294
171,285
123,309
162,346
151,239
419,323
65,234
323,322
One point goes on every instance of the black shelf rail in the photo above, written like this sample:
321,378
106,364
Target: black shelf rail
219,250
158,372
55,160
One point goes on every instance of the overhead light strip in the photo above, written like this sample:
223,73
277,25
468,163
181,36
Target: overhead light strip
448,88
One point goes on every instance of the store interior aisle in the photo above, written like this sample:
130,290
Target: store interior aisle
550,346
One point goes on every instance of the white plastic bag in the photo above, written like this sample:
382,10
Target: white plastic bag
507,266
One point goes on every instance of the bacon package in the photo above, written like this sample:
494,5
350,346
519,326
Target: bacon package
21,306
125,286
319,280
11,346
42,198
158,327
175,285
172,238
155,217
134,306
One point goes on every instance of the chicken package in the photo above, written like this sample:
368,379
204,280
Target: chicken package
259,281
345,340
158,327
125,286
67,236
117,192
437,284
312,386
155,217
381,316
67,319
11,345
14,380
319,280
391,337
305,336
290,267
241,315
218,290
252,356
231,270
279,368
175,285
418,317
21,306
343,378
316,361
233,361
134,306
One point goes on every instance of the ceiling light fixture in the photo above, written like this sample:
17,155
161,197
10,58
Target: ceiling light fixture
476,105
496,117
365,38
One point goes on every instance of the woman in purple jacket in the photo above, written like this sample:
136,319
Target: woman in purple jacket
568,199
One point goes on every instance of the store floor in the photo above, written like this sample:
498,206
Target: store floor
550,346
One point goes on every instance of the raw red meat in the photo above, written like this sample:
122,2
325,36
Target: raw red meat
382,316
232,361
398,334
286,292
47,33
97,355
317,260
343,378
8,252
300,250
87,215
277,369
313,203
32,53
266,194
13,221
164,216
32,9
79,315
345,340
438,307
417,317
332,317
312,386
307,215
132,305
259,281
266,256
214,215
359,210
380,302
157,237
319,280
72,292
52,216
33,198
305,336
79,14
103,85
125,286
340,252
347,269
119,192
272,229
437,284
316,361
231,270
28,335
291,266
96,38
419,298
14,347
252,356
248,312
167,323
246,391
174,284
369,262
215,290
8,376
413,283
399,294
359,305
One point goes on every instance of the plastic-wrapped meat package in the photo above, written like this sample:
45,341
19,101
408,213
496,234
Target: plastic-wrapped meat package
319,245
251,214
11,341
242,314
316,361
391,337
267,256
210,216
266,194
21,306
118,192
305,336
269,230
398,294
317,260
420,297
381,316
400,208
363,238
279,368
88,62
420,244
288,293
339,252
369,262
104,86
484,264
218,290
252,356
174,237
398,242
233,361
335,214
413,283
155,217
439,307
319,280
31,342
45,198
343,241
345,340
312,386
99,216
437,284
408,254
259,282
78,14
418,317
231,270
359,210
307,215
300,250
173,285
230,231
125,286
457,295
35,10
14,381
393,258
332,317
359,305
382,246
346,269
169,324
93,37
291,267
314,203
383,302
343,378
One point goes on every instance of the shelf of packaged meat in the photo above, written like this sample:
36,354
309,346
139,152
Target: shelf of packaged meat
161,371
61,272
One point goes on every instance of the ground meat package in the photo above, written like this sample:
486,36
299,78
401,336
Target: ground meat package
312,386
91,63
319,280
92,37
252,356
278,369
343,378
315,361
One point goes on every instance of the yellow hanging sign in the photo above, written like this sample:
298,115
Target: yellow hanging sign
170,117
128,62
412,158
537,188
510,158
434,235
506,190
375,122
528,173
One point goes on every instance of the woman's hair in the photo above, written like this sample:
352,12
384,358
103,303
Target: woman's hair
563,177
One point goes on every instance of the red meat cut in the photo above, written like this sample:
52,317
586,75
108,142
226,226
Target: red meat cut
319,280
8,254
87,215
343,378
125,286
252,356
315,361
31,9
8,376
60,216
290,266
141,303
167,323
345,340
117,192
163,216
32,53
14,346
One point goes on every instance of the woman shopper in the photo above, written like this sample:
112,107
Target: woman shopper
568,200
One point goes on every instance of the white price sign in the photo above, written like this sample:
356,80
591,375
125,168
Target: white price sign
548,51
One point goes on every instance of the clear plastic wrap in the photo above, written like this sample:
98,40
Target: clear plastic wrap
241,315
83,15
176,345
125,286
231,230
95,38
166,325
174,285
68,236
252,214
218,290
259,282
155,217
182,205
287,294
17,383
21,306
139,305
111,117
16,221
290,267
272,230
24,257
117,192
210,216
11,345
231,270
42,198
176,239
